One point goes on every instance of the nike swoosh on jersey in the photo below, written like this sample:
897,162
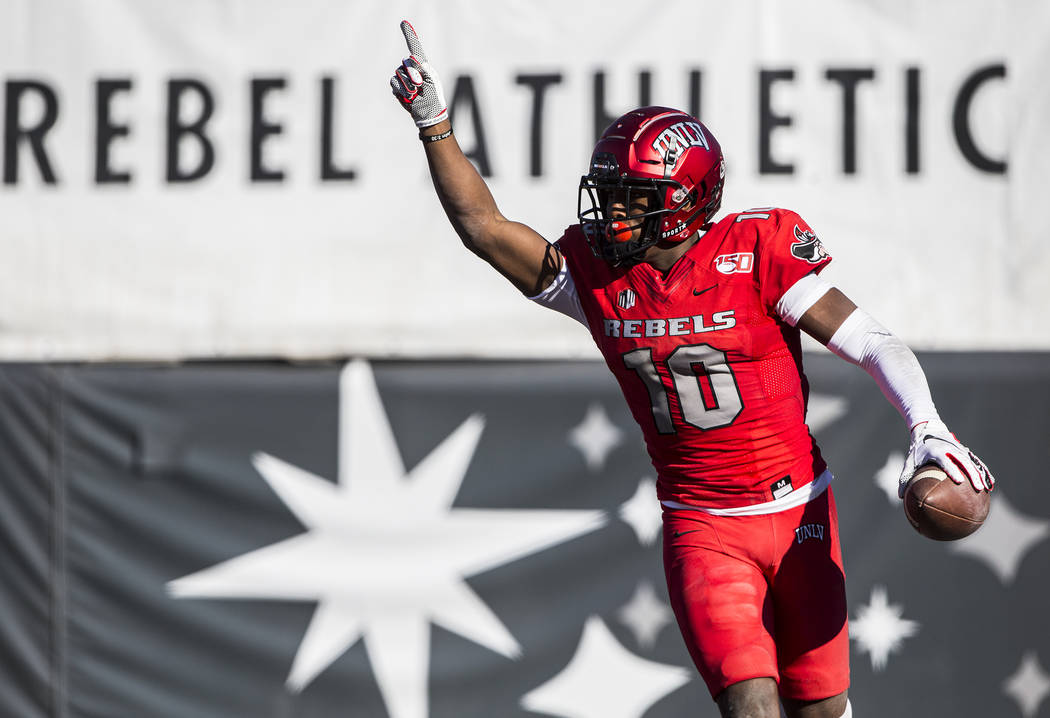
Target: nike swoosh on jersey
698,292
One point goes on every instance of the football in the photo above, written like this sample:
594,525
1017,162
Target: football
941,509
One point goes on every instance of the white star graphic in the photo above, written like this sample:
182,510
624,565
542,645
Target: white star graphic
1005,538
643,512
385,554
595,437
1029,685
888,477
879,628
645,614
824,410
604,680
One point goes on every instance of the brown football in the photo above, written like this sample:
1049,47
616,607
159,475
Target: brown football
941,509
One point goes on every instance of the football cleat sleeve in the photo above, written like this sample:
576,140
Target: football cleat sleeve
932,442
416,84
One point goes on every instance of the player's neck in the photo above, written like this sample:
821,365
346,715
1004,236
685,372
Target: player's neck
663,258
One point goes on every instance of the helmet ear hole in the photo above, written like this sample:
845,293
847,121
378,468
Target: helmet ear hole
683,199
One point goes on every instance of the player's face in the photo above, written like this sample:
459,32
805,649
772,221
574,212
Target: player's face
621,206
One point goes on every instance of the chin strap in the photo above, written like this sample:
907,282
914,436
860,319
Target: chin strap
692,218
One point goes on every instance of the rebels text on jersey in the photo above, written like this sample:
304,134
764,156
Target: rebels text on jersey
710,371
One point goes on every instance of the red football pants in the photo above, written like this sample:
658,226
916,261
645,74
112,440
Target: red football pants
761,596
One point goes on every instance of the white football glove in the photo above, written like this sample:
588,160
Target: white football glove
417,85
932,442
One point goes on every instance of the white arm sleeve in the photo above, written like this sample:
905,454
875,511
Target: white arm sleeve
866,343
802,295
560,295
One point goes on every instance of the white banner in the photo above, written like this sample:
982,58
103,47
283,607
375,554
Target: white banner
232,178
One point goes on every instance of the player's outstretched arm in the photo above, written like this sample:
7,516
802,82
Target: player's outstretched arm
514,249
854,335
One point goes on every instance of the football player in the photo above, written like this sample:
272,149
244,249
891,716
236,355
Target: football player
699,320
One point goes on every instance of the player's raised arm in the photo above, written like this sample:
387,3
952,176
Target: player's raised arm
514,249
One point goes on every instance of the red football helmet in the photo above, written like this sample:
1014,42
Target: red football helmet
664,153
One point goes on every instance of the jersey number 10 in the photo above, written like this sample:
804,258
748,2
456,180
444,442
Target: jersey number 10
723,403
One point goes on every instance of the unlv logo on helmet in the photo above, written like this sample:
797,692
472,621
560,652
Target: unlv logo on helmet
808,247
679,136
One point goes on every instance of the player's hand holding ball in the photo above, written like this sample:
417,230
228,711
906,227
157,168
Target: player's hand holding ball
417,85
940,509
933,443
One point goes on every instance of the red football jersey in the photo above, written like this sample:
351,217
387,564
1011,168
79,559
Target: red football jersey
710,371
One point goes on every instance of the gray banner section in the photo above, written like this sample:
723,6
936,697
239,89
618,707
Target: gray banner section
254,539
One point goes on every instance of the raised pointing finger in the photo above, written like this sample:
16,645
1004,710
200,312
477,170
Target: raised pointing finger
415,47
